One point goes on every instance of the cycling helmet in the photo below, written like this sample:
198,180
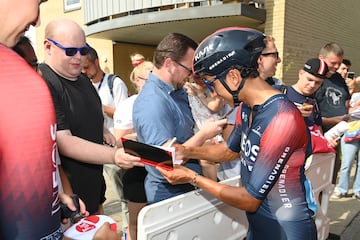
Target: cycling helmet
228,47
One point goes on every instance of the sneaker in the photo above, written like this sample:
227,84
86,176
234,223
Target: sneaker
342,195
357,195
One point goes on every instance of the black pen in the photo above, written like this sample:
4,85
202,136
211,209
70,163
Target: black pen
226,114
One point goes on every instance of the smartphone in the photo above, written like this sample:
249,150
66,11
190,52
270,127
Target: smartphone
350,75
309,101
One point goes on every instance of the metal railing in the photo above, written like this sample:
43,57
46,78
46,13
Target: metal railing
102,10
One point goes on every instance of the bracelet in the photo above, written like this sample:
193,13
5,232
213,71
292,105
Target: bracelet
194,181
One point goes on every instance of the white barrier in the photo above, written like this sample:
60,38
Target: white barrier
196,216
320,174
199,216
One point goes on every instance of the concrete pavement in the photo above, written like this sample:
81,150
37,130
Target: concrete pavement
344,214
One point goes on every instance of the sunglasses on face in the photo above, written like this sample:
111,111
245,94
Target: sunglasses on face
209,83
71,51
273,54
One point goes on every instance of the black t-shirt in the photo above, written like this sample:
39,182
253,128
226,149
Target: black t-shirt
78,109
332,96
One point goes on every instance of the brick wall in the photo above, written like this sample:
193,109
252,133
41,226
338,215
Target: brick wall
301,28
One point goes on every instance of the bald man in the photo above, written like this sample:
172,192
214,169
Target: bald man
84,143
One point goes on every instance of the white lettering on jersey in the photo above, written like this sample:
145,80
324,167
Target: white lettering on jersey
275,171
250,151
55,200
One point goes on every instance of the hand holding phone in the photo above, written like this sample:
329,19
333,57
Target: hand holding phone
309,101
350,75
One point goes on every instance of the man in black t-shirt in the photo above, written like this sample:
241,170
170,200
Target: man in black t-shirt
80,124
333,96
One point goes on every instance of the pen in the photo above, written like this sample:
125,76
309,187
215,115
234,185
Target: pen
227,114
172,142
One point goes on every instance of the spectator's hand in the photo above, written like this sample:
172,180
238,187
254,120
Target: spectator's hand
194,89
125,160
109,111
109,139
212,128
357,80
345,117
66,199
334,141
306,109
105,233
351,83
179,175
180,152
190,89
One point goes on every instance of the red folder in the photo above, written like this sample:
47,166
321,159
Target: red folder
149,154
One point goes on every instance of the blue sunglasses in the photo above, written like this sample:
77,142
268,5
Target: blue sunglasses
71,51
209,83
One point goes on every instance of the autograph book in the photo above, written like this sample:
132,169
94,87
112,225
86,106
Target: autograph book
156,156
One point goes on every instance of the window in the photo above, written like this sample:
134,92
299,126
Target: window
70,5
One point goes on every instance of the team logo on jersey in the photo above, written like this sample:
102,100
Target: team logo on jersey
250,152
256,130
244,117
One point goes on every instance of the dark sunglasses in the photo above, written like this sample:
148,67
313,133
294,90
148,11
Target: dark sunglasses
185,67
274,54
209,83
71,51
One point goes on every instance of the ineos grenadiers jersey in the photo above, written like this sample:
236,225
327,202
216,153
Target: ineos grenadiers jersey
29,202
273,150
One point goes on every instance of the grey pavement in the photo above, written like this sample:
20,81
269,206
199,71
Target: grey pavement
344,214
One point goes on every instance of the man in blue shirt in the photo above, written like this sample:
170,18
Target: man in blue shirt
162,112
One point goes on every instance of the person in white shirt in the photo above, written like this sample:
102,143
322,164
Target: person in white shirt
112,91
111,94
133,180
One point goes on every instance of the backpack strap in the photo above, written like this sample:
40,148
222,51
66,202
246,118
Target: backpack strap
283,89
110,80
52,80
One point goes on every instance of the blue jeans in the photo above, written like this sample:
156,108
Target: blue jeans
348,151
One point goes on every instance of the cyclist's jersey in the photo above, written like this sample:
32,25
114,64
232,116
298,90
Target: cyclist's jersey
273,151
29,202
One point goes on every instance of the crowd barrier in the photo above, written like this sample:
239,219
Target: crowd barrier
198,216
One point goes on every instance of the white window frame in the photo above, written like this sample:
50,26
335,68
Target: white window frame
68,6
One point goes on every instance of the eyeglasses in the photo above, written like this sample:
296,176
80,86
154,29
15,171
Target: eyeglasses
274,54
209,83
189,70
71,51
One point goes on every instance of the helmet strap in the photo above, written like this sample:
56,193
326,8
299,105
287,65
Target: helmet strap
235,94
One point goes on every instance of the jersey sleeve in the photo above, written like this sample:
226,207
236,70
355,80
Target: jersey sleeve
281,151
